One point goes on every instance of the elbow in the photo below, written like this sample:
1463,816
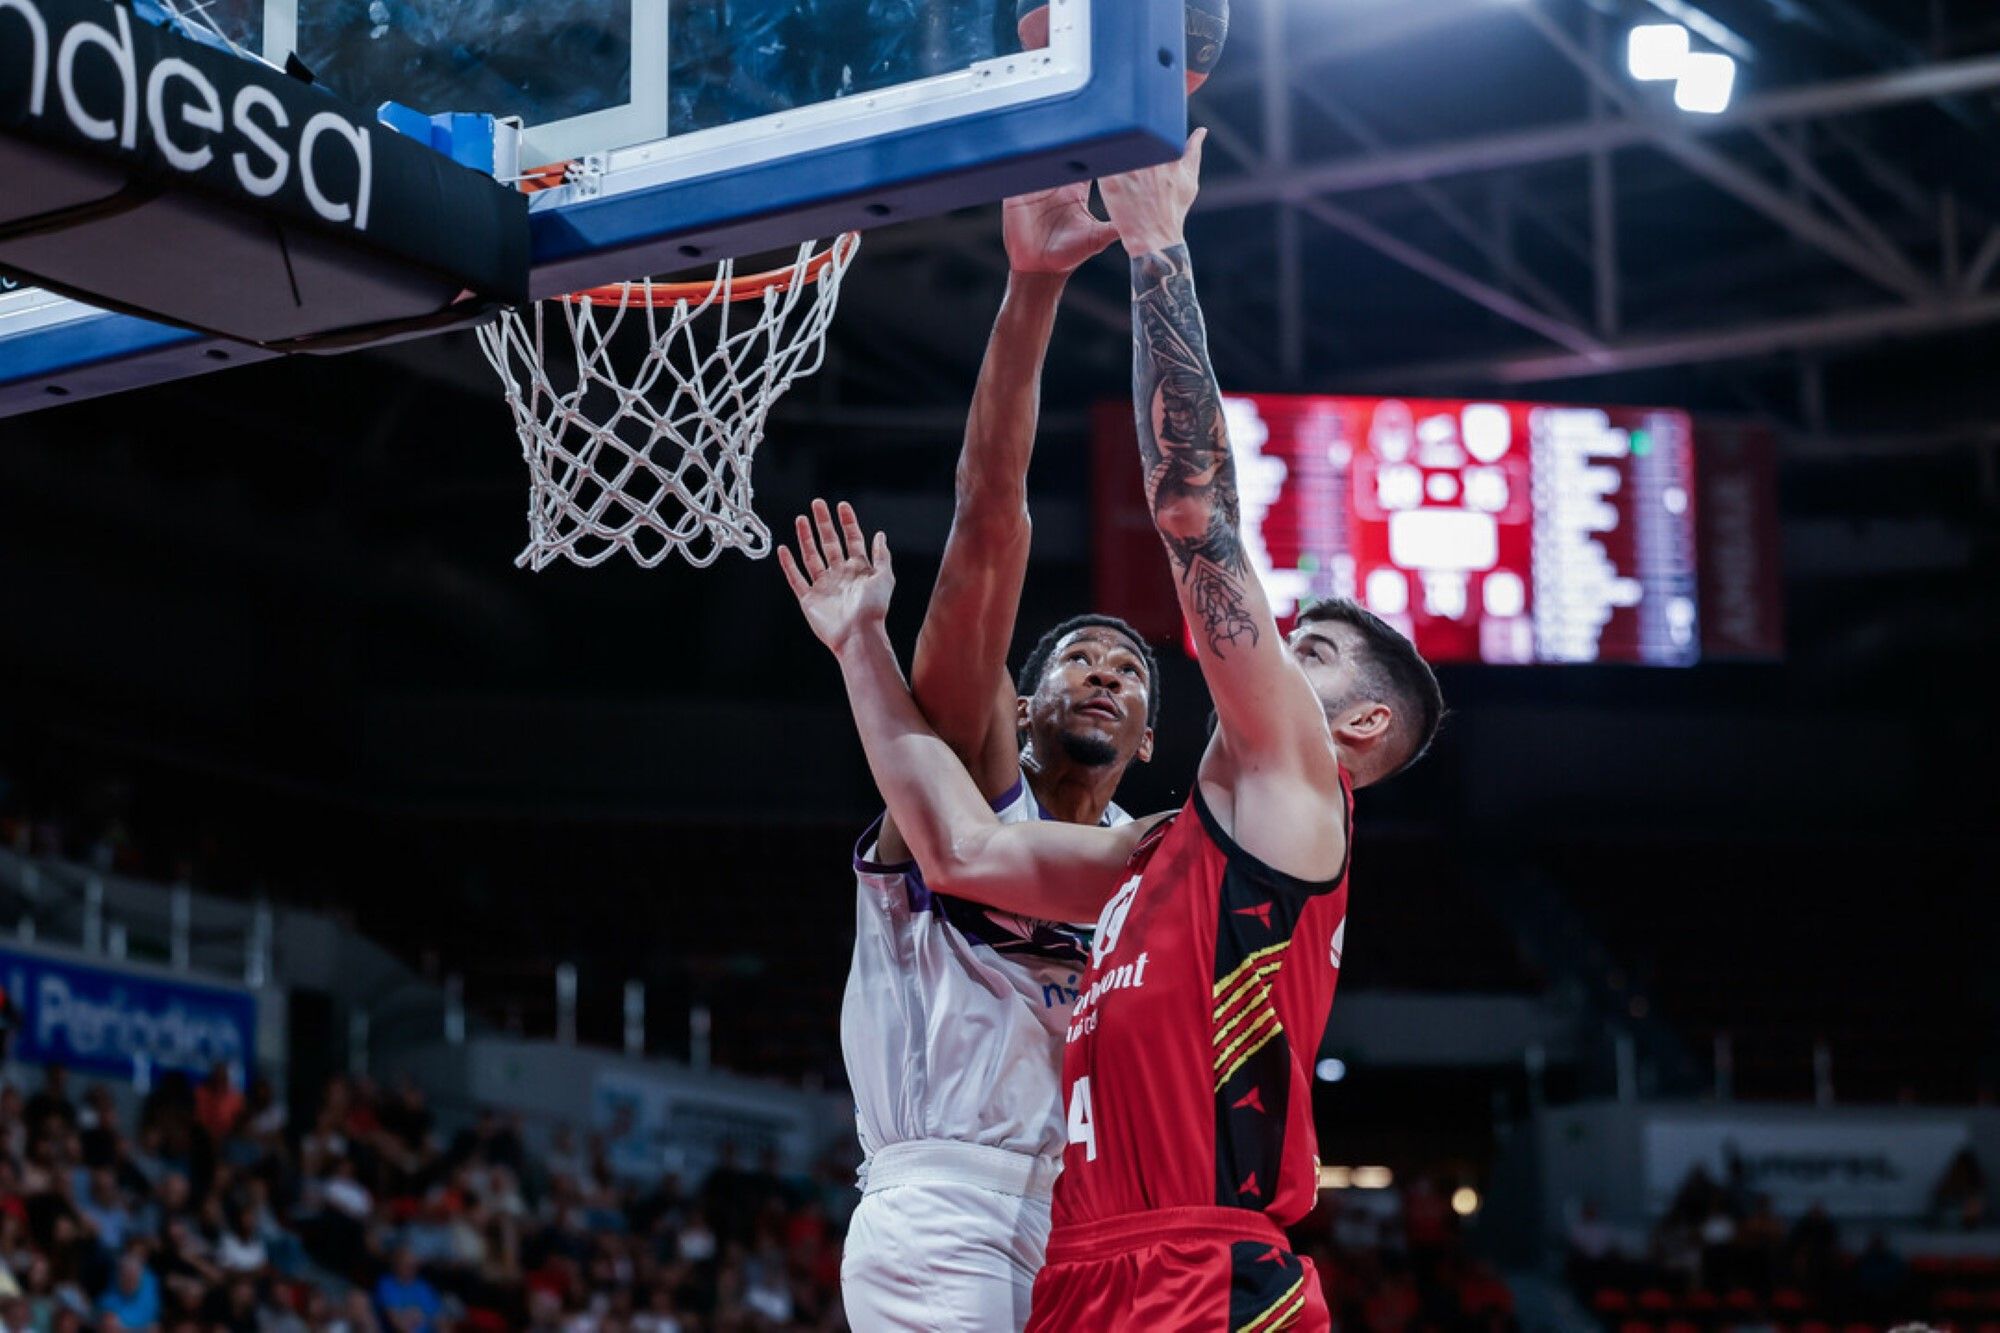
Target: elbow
954,867
993,516
947,875
1183,520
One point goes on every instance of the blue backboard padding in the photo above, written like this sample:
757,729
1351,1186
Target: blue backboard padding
1126,116
105,353
463,136
89,341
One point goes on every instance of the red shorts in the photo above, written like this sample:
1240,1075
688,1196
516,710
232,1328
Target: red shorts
1179,1270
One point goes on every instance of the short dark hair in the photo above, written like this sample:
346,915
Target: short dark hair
1032,670
1395,673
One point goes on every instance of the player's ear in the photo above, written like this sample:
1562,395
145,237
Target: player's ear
1022,703
1145,753
1366,723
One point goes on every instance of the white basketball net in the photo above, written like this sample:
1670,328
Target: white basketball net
654,459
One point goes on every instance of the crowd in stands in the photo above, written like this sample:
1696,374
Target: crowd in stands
1395,1261
1723,1256
218,1212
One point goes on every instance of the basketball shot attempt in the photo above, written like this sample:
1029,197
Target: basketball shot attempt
953,1022
1220,928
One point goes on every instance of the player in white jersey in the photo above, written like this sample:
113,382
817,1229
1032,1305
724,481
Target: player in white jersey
952,1023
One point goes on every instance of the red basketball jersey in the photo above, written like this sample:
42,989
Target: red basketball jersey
1187,1071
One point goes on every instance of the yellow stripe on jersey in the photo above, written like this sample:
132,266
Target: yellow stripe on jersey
1281,1313
1251,1040
1254,987
1263,1041
1252,1011
1229,981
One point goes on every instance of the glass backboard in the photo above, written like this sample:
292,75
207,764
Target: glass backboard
588,76
591,76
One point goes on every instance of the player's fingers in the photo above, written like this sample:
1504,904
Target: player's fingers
882,561
850,530
809,548
789,567
1196,141
829,535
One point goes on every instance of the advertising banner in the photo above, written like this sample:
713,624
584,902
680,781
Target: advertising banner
1858,1168
654,1124
124,1023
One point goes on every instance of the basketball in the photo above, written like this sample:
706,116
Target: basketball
1207,30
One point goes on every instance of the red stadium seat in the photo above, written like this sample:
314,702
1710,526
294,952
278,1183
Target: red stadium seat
1741,1298
1815,1326
1702,1301
1610,1300
1859,1328
1652,1298
1682,1326
1957,1298
1638,1326
1789,1298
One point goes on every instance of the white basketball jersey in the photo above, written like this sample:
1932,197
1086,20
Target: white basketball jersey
953,1022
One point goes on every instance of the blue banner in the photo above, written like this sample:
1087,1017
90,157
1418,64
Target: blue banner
125,1023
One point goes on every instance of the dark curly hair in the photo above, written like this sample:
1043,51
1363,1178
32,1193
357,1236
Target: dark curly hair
1037,662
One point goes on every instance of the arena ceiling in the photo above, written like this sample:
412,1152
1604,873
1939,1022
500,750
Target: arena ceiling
1475,196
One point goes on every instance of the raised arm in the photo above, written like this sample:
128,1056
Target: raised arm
1045,869
1265,705
959,674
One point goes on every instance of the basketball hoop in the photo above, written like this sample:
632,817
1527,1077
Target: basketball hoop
655,459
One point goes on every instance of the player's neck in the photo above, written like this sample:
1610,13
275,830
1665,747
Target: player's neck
1073,793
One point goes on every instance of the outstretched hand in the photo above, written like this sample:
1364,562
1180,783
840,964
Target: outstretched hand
842,587
1053,231
1149,207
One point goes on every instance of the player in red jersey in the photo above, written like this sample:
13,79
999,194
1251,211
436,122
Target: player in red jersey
1187,1066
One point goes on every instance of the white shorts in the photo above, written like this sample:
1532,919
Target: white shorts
948,1239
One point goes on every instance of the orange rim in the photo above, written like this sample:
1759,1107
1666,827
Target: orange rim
748,287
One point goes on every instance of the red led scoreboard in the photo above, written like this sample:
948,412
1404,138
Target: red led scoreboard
1506,533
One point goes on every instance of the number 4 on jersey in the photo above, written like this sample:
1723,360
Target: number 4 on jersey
1080,1118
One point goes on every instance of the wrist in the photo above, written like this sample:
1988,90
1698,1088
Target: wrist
1036,284
1152,242
860,641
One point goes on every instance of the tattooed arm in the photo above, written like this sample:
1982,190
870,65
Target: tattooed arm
1273,736
1184,445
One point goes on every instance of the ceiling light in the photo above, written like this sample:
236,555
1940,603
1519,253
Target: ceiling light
1331,1070
1465,1201
1706,82
1657,51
